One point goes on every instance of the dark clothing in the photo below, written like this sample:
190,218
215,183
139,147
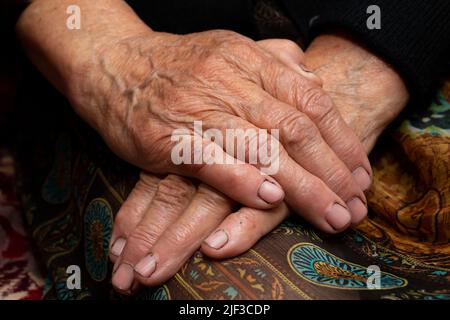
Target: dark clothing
414,35
189,16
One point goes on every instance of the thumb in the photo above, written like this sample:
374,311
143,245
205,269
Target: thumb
291,55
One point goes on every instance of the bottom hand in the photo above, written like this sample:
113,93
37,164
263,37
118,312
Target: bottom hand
164,221
368,93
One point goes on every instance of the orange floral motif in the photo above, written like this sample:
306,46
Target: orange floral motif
331,271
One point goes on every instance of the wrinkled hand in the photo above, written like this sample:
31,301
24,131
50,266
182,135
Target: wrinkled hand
368,92
164,221
148,86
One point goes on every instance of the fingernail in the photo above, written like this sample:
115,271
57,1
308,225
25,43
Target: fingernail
270,192
217,240
118,246
123,277
338,217
358,210
362,178
146,266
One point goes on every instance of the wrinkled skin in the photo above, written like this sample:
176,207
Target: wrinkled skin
146,87
368,92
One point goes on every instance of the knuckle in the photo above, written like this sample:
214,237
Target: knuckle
225,36
319,107
352,149
225,45
243,49
181,235
299,132
310,187
147,183
273,76
143,238
127,219
289,46
121,223
317,104
235,49
173,191
212,199
178,183
338,179
211,64
238,44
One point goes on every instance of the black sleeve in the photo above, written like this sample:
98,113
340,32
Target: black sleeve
414,36
188,16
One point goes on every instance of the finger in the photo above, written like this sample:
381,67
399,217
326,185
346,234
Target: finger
184,237
305,192
305,145
238,180
291,55
170,200
293,89
241,230
131,212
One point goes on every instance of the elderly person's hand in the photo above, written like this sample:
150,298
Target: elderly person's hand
137,87
154,246
165,220
368,92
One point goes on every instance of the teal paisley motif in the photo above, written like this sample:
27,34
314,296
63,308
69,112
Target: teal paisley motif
434,121
320,267
98,220
162,293
57,187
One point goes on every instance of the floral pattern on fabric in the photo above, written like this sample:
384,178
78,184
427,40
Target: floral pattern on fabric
325,269
98,222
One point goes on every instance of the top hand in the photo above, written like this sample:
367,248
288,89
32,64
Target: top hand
136,86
